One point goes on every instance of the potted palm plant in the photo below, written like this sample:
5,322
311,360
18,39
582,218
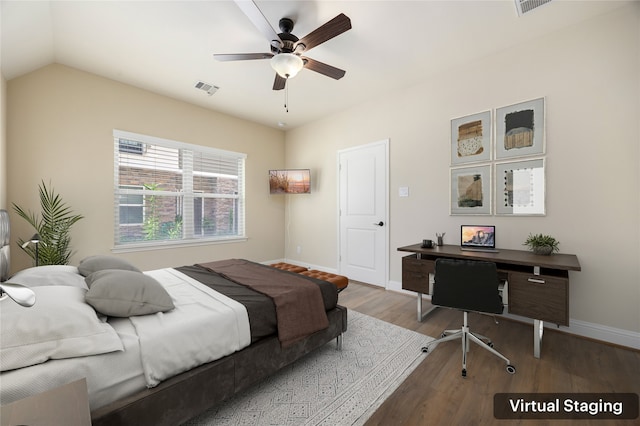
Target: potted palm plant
53,227
542,244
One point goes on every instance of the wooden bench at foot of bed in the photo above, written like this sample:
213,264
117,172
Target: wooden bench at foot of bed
341,282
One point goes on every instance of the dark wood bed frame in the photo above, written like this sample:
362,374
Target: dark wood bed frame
186,395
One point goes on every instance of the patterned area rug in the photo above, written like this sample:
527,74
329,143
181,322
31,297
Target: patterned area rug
328,386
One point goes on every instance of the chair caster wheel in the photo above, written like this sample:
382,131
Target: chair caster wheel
490,344
464,372
443,335
511,369
425,349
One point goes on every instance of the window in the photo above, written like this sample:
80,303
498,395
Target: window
167,191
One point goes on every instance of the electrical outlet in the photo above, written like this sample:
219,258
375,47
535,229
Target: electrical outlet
298,249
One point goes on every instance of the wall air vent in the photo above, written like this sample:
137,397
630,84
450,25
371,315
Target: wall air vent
525,6
206,87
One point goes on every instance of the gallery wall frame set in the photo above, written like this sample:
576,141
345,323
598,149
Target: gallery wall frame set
480,168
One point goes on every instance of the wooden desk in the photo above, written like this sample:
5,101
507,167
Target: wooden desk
538,286
67,405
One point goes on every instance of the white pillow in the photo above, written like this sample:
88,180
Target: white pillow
59,325
50,275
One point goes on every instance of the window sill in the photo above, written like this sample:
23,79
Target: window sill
165,245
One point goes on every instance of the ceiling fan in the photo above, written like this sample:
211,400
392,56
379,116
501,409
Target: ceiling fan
287,49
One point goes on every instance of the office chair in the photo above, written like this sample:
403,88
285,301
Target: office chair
467,285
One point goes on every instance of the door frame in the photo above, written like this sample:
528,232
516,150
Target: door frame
385,143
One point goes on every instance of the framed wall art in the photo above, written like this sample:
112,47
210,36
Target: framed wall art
520,188
520,129
471,138
471,190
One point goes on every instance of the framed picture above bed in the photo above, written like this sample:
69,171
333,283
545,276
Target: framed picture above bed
520,129
471,138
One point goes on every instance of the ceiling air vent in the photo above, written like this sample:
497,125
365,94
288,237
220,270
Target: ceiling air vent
525,6
206,87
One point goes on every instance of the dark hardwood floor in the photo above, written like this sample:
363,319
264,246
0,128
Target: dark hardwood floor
435,393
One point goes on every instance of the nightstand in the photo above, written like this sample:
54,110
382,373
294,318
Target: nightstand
67,405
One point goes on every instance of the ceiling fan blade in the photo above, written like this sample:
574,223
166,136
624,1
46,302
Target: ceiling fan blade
322,68
242,56
334,27
256,17
279,83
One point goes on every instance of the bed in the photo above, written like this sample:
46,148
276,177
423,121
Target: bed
159,347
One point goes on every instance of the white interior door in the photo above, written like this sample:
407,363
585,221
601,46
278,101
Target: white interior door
363,210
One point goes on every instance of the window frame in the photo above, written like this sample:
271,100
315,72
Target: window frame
186,194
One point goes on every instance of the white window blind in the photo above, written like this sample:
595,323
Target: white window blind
168,191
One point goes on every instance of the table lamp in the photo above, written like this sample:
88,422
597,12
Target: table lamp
34,240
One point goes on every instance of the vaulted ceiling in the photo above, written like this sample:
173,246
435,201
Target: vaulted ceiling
168,46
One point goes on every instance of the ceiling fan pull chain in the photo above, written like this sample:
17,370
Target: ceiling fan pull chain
286,97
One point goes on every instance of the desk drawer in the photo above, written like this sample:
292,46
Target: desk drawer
415,274
541,297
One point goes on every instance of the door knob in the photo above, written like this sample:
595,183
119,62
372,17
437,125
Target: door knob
381,223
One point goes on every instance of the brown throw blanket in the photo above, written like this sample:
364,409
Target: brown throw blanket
299,306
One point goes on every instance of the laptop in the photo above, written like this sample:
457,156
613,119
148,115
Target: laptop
478,238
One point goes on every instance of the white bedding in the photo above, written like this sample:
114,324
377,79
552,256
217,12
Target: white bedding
109,376
204,326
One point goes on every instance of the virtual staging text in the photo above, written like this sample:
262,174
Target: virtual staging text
565,406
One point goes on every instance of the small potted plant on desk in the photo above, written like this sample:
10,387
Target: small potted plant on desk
542,244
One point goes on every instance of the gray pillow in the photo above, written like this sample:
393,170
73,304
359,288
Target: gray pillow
92,264
120,293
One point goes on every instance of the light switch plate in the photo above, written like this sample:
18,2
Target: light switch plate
403,191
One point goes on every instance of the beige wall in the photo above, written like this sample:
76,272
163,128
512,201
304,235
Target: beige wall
3,143
589,75
61,123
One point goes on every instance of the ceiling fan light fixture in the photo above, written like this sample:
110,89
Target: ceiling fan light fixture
287,65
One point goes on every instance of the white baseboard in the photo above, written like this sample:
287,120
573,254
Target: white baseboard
600,332
605,333
304,264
